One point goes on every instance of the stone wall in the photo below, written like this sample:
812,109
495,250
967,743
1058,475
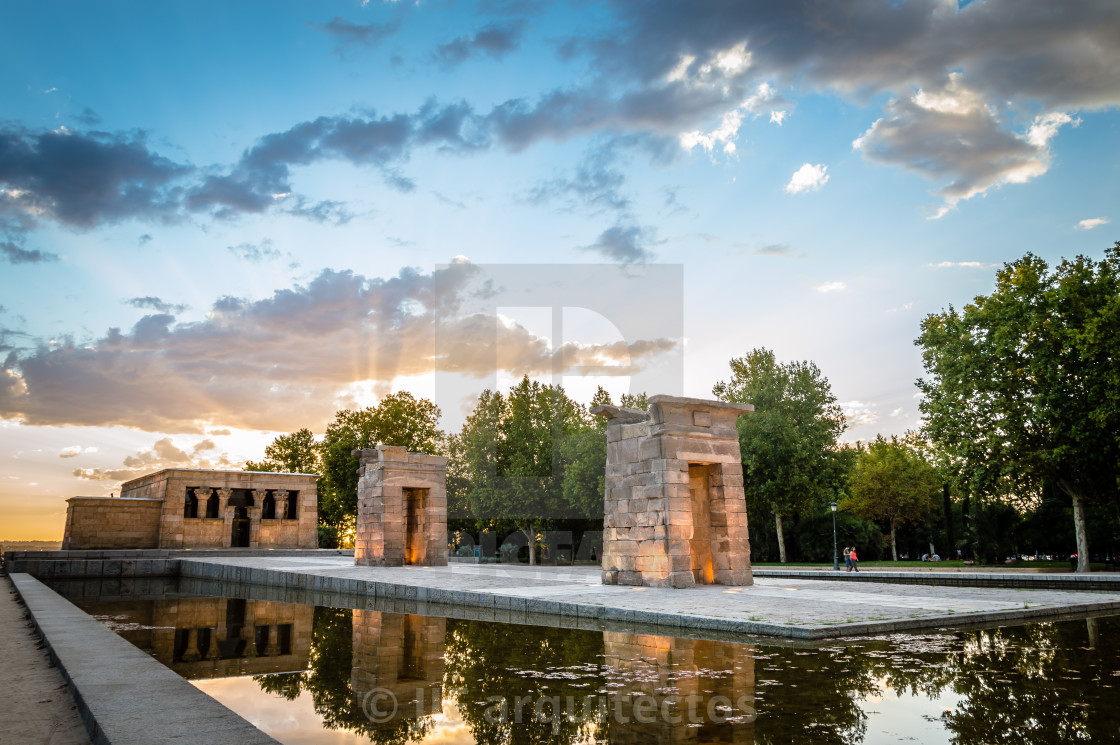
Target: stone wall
232,489
402,508
106,523
674,510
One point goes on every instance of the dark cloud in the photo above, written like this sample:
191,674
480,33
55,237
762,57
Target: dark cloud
596,183
88,117
84,180
144,239
495,40
14,254
624,244
279,363
255,252
154,303
349,34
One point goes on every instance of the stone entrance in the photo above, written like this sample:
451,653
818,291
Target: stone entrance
675,513
402,508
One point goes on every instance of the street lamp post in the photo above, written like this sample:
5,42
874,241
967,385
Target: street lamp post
835,549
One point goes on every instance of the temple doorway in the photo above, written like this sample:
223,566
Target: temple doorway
414,544
240,536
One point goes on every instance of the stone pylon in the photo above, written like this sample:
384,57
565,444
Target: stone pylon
675,513
402,508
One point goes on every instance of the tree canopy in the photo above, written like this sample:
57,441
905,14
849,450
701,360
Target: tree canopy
892,483
790,457
1023,385
293,453
399,419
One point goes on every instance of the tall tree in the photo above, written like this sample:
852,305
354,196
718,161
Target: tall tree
399,419
1023,385
293,453
893,484
517,449
790,455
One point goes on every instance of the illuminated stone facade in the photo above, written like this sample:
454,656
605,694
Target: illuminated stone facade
675,513
402,508
191,508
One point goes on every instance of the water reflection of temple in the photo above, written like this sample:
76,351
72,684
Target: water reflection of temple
216,637
670,690
401,655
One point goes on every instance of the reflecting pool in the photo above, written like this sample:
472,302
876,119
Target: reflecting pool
320,674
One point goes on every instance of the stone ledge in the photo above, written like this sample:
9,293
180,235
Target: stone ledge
1071,581
124,696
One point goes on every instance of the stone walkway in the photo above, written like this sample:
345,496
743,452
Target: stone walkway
787,607
38,707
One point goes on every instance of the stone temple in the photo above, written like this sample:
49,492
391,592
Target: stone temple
194,508
402,508
675,513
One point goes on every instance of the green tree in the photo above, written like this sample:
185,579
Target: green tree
293,453
893,484
516,451
790,456
399,419
1023,384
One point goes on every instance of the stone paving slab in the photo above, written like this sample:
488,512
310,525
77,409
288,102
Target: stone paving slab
125,696
797,608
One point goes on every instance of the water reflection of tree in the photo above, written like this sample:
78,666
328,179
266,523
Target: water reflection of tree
327,680
489,662
811,695
1034,684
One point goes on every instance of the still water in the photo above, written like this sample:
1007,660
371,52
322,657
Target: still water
313,674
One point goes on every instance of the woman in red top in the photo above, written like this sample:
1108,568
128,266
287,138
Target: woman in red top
854,558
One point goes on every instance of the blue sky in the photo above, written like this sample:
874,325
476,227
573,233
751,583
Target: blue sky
218,222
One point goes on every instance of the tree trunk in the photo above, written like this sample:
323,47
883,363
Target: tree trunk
781,538
894,542
966,523
947,503
1080,530
532,536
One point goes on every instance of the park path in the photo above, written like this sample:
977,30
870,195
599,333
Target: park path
38,708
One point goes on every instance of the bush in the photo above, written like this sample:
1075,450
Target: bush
328,536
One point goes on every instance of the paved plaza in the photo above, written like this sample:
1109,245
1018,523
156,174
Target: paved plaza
786,607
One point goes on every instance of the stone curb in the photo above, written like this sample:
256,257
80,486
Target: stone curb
124,696
520,608
1015,580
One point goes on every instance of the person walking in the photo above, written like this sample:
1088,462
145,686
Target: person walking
848,558
853,559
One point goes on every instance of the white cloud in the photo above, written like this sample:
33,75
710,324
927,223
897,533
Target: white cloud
777,117
859,413
961,265
830,286
1091,222
897,412
808,178
951,133
74,451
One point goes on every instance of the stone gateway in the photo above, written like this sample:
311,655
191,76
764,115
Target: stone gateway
675,514
402,508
